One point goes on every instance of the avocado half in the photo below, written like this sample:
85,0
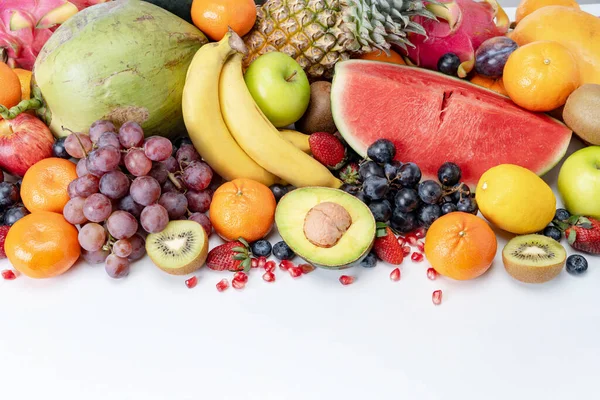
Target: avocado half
353,245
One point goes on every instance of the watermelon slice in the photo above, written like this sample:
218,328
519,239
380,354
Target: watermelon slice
433,118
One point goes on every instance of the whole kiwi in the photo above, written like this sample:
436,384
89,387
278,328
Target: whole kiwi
581,113
318,117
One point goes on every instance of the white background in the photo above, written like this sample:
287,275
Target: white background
85,336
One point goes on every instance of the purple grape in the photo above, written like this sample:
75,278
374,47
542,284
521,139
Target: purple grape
187,154
95,257
131,135
92,237
92,171
73,211
109,139
104,159
158,148
78,145
97,208
122,225
145,190
199,201
81,168
159,172
128,204
175,204
491,56
116,267
99,127
71,189
171,164
203,220
197,175
137,163
154,218
122,248
114,185
138,245
86,185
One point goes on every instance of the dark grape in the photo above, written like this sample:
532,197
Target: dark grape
9,195
460,190
468,205
370,168
407,200
138,246
114,185
553,232
159,172
186,154
447,208
351,189
381,210
197,175
198,201
392,170
175,203
59,150
278,191
428,214
448,64
430,192
409,175
375,187
14,214
203,220
369,261
145,190
128,204
449,174
363,197
154,218
171,164
404,222
382,151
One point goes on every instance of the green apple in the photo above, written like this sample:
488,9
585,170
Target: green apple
579,182
279,86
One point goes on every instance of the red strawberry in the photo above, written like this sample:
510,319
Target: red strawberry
349,174
387,247
231,256
3,232
327,149
584,234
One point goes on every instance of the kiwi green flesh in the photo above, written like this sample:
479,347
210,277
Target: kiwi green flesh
181,248
533,258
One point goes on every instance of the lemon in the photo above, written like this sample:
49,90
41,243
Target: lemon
515,199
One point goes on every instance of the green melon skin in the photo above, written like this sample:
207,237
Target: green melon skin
352,247
123,60
181,8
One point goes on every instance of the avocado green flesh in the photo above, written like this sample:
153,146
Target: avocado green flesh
353,244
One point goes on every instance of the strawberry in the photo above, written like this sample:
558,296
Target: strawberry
231,256
349,174
386,245
3,232
327,149
584,234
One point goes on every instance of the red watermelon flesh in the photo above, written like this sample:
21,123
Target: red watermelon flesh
433,118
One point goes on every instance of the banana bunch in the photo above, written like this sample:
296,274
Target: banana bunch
230,131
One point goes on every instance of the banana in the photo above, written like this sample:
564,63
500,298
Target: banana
203,118
260,139
298,139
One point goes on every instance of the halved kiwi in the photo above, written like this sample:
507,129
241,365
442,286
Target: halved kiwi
533,258
181,248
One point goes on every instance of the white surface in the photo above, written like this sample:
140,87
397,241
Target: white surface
85,336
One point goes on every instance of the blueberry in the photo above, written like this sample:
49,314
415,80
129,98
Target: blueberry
447,208
460,190
278,191
369,261
261,248
9,194
562,215
58,149
468,205
410,175
14,214
430,192
381,209
363,197
392,170
448,64
282,251
382,151
368,169
428,214
404,222
576,264
407,200
553,232
449,174
375,187
351,189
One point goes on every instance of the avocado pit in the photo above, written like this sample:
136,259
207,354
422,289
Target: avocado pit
326,223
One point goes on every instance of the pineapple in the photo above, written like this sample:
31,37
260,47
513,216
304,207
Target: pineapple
25,25
319,33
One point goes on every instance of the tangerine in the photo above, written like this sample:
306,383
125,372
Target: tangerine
379,55
10,87
460,246
25,80
215,17
526,7
42,245
45,184
242,208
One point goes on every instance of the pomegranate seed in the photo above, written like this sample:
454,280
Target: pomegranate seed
431,274
411,239
346,280
240,276
190,283
416,257
420,246
269,277
9,275
286,264
306,268
395,274
419,233
254,263
436,297
295,271
262,260
401,241
406,251
223,285
237,284
270,266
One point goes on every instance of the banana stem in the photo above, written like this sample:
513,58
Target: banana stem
24,105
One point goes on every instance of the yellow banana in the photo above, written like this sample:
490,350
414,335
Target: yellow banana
298,139
260,139
203,118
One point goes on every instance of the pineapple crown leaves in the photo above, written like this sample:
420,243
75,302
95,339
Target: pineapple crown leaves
243,254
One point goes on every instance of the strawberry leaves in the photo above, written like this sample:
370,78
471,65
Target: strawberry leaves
381,230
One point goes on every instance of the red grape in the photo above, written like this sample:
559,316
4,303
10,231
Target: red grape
122,225
203,220
128,204
159,172
73,211
175,204
109,139
145,190
104,159
137,163
116,267
122,248
138,245
71,189
82,167
171,164
86,185
187,154
131,135
114,185
199,201
92,237
158,148
78,145
97,208
99,127
95,257
197,176
154,218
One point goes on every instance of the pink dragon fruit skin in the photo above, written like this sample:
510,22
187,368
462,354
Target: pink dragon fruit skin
461,27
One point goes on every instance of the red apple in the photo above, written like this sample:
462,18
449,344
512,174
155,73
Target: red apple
24,141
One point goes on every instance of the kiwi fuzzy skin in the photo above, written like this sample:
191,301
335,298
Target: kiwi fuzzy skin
530,274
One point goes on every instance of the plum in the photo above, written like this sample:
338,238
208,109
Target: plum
491,56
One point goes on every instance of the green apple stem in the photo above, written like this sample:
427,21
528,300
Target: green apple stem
289,78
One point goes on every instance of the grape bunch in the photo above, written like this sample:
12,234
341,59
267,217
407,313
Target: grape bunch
11,207
128,186
396,194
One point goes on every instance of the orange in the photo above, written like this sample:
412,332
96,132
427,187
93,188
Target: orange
526,7
213,17
10,87
242,208
42,245
45,183
378,55
497,85
541,75
25,79
460,246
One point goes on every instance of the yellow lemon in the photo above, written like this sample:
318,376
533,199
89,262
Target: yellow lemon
515,199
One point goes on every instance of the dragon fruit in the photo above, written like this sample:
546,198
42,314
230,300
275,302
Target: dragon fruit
25,25
461,27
